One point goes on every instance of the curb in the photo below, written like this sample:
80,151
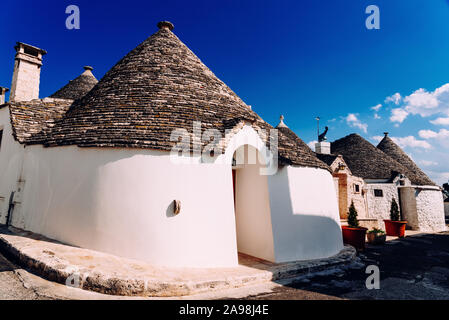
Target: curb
106,284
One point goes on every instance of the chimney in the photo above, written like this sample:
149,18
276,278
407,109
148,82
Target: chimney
3,91
27,70
323,147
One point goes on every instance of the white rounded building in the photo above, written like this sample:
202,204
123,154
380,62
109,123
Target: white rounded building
162,162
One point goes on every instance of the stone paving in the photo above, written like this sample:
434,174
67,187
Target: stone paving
105,273
416,267
413,268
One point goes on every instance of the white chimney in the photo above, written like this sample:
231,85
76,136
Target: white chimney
3,91
27,70
323,147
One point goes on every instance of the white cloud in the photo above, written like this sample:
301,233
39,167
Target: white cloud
428,163
311,144
377,107
398,115
376,116
396,98
439,177
411,142
354,122
441,121
442,135
423,103
377,138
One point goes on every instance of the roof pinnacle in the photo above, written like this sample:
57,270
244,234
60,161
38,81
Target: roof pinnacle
166,25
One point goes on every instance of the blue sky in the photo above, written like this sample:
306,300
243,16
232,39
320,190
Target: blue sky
297,58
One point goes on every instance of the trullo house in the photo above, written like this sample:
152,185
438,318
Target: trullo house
372,176
124,167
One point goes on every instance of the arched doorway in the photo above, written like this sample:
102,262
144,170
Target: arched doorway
252,205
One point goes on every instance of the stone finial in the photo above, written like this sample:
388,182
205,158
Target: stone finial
386,134
87,71
281,123
166,25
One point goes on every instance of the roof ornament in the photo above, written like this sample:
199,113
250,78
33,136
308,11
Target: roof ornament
281,123
386,134
166,25
321,137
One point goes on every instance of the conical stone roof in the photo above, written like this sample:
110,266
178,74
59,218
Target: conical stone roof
308,157
160,86
365,160
388,146
78,87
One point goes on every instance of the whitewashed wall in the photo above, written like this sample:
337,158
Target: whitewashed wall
11,155
120,201
430,209
379,207
304,214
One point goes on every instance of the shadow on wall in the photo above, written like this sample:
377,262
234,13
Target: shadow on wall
304,235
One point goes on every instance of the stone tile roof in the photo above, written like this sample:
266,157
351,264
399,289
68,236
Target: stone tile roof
295,147
388,146
327,158
31,119
78,87
366,161
159,86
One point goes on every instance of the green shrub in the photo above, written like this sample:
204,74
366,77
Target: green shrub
394,210
353,222
377,231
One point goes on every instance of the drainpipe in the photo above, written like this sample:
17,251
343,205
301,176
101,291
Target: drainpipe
10,209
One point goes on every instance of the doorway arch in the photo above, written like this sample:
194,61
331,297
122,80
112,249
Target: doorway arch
252,205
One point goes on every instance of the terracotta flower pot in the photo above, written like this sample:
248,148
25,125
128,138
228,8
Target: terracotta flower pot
354,237
395,228
374,238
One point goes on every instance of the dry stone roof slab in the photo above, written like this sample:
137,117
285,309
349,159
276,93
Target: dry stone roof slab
78,87
159,86
368,162
390,148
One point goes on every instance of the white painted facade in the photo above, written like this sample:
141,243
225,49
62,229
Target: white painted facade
120,201
379,207
430,209
305,217
11,158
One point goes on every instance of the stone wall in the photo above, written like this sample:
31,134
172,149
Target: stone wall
430,209
379,207
446,209
347,191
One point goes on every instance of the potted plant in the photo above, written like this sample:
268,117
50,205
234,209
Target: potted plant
353,234
394,226
376,236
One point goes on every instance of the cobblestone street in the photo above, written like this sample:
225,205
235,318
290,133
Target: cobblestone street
416,267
